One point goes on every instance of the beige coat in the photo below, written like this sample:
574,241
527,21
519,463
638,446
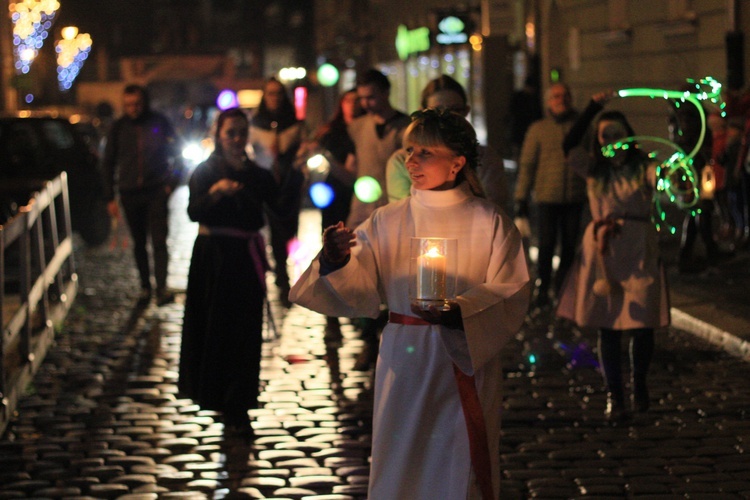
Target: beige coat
637,290
542,168
372,154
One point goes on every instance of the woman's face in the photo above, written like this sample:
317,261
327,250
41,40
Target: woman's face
233,137
432,167
273,94
610,131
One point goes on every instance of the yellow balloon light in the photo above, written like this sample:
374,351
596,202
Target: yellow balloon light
367,189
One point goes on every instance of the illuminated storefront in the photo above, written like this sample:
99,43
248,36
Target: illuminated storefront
422,58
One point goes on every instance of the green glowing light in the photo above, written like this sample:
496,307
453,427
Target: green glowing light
532,359
368,189
410,349
684,191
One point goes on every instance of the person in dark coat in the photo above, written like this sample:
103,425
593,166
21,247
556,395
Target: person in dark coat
142,165
275,136
223,323
333,142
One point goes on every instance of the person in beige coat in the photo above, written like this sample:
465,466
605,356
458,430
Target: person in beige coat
617,282
558,192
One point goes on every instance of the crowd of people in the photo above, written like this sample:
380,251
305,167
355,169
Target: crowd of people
592,204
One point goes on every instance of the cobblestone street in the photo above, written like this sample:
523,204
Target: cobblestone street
103,418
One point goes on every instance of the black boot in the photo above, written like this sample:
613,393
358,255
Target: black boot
616,412
610,357
641,400
641,352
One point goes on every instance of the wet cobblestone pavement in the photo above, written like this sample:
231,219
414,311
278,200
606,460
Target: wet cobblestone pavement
103,418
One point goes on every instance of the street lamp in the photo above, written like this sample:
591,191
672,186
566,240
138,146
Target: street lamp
72,50
32,20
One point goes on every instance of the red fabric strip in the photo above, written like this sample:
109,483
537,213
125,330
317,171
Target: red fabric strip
403,319
478,446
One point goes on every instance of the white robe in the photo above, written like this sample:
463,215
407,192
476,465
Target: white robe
420,442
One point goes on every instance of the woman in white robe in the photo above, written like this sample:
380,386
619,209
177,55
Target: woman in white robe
421,446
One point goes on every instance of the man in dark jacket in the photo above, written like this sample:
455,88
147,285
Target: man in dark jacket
142,165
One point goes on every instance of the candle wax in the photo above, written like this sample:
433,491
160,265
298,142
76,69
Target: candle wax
431,275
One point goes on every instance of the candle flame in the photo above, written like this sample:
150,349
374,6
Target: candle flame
433,252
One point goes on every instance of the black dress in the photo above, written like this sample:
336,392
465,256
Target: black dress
222,329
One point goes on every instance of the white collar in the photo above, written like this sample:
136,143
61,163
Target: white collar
437,199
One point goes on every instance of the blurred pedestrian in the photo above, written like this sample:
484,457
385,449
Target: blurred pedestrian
438,378
333,142
733,194
685,130
376,135
617,281
558,192
222,328
143,165
446,93
275,136
738,108
524,109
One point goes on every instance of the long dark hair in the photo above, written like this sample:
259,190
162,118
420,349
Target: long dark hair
337,121
284,116
603,169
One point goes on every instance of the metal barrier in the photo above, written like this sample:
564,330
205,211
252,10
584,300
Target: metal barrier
39,282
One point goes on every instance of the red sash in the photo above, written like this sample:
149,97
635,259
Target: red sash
473,415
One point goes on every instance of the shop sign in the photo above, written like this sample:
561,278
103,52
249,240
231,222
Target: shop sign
452,30
410,42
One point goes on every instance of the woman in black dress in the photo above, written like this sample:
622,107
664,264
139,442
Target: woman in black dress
222,330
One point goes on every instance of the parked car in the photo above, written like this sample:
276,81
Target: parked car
42,148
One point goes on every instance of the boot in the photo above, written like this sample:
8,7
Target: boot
641,400
616,412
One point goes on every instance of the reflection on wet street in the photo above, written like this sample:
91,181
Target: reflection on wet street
103,418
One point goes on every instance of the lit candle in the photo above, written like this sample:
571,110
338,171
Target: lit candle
431,274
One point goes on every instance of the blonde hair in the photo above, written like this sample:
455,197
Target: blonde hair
438,127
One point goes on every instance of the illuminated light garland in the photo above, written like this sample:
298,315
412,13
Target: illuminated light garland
676,176
72,52
32,20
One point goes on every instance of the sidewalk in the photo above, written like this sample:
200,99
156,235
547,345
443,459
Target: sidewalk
715,304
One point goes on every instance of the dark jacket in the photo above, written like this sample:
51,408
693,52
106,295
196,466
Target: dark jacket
141,154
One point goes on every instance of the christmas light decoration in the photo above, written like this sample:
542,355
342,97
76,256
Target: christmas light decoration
32,20
72,52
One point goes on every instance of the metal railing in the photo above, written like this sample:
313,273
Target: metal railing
39,282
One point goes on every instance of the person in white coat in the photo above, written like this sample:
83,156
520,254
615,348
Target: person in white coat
436,424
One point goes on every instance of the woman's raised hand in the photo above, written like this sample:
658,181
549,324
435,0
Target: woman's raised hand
225,186
338,241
